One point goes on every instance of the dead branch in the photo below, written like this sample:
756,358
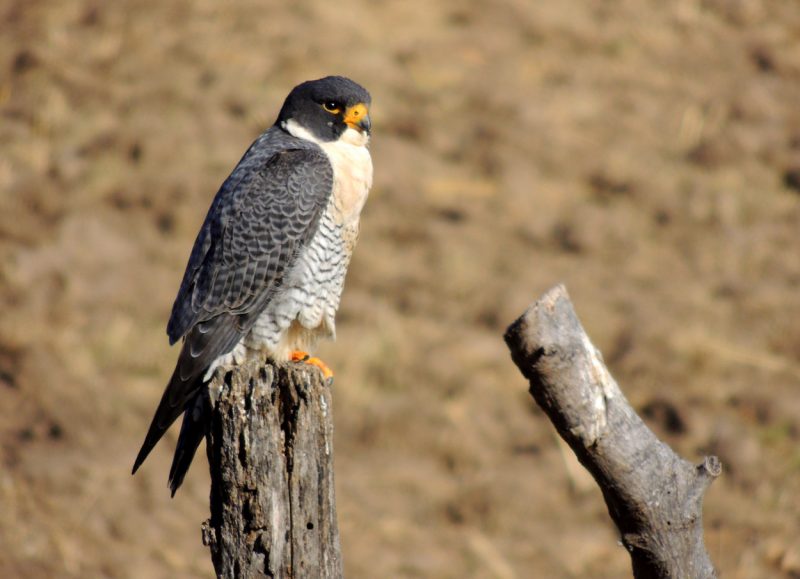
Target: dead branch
270,451
654,496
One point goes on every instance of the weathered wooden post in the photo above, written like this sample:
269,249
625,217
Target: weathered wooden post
270,451
654,496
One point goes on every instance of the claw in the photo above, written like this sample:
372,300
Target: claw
300,356
326,371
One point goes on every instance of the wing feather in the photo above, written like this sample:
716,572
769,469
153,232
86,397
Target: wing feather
271,212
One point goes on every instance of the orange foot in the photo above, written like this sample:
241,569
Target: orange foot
300,356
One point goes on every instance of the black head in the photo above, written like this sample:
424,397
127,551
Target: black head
327,107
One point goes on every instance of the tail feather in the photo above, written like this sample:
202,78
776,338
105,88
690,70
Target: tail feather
177,396
192,432
203,344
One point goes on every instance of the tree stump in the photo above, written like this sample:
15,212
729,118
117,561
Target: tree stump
653,495
270,451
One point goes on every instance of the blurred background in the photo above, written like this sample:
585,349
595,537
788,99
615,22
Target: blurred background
645,153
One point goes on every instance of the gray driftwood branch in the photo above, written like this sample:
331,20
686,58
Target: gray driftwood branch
653,495
270,451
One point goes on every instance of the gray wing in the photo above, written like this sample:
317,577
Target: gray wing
254,230
251,235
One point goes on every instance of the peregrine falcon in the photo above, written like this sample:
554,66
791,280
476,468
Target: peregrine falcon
267,268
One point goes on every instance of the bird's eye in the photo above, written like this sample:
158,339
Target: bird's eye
331,107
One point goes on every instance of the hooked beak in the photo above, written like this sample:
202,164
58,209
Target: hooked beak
357,117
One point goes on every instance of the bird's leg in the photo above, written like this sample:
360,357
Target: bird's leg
300,356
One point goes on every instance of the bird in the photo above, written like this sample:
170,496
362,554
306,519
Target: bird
267,269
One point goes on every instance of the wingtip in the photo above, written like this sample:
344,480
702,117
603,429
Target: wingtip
174,483
138,462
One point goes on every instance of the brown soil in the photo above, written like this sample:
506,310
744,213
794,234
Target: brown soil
647,154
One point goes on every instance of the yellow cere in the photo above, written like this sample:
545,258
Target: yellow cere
355,113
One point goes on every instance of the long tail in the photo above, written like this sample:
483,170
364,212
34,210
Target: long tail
183,395
193,430
176,400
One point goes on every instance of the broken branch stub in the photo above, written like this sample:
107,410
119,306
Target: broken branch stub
653,495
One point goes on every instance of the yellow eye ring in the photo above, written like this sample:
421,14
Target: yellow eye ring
331,107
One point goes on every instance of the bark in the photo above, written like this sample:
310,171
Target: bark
270,451
653,495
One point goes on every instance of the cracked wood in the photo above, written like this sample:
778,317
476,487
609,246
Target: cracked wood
270,450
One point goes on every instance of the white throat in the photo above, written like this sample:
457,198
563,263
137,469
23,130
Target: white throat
352,170
350,136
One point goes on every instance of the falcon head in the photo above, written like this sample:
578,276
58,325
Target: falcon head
326,110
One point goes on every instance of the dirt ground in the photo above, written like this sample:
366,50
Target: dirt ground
645,153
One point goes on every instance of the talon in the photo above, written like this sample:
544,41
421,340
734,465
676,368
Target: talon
326,371
300,356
